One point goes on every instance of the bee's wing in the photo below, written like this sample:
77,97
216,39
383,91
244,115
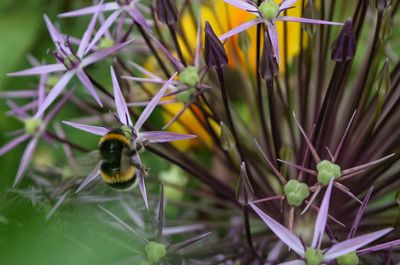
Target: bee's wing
83,165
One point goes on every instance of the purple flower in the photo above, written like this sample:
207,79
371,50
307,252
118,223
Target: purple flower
314,253
35,128
268,13
138,138
70,63
132,7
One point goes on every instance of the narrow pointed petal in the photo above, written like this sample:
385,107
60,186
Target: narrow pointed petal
26,159
92,176
39,70
101,54
366,165
309,21
18,94
90,10
270,164
53,112
167,12
144,80
54,33
244,190
293,262
242,5
13,143
120,104
214,52
274,253
102,30
380,247
360,212
308,141
280,231
139,18
56,206
301,168
320,223
96,130
186,243
89,86
240,28
153,103
144,71
178,65
335,157
142,187
163,137
54,92
160,215
273,35
353,244
286,4
344,47
89,31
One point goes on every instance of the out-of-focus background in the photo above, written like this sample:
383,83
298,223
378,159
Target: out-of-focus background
25,235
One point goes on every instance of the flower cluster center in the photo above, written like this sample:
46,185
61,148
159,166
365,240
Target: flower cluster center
269,10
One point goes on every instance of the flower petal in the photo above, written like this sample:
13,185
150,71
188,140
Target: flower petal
89,86
54,33
92,176
90,10
293,262
320,223
39,70
353,244
101,54
242,5
102,30
88,32
162,137
286,4
18,94
13,143
309,21
54,92
280,231
120,104
139,18
153,103
240,28
96,130
142,185
26,158
273,35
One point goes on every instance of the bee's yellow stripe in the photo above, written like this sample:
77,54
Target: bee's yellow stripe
114,136
119,178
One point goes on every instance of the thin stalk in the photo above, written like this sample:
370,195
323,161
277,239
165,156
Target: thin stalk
176,43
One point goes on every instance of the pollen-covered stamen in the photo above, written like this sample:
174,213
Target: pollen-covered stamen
66,55
32,124
268,10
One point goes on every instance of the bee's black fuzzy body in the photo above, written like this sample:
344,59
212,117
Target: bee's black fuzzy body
116,167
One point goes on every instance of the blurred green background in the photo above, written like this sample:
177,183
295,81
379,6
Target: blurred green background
25,236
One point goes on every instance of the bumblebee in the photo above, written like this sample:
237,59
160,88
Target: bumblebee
116,168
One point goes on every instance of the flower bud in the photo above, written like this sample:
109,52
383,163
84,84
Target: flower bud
381,5
166,12
245,192
295,192
32,124
155,251
348,259
326,170
214,52
344,48
190,76
227,139
268,10
313,256
269,67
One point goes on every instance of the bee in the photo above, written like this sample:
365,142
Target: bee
117,168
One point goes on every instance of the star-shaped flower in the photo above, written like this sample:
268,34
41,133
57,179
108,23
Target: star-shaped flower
268,12
70,63
138,138
314,255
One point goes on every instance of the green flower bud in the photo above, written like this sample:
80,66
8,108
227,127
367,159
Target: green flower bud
190,76
155,251
32,124
313,256
106,43
269,10
227,139
348,259
326,170
296,192
184,96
